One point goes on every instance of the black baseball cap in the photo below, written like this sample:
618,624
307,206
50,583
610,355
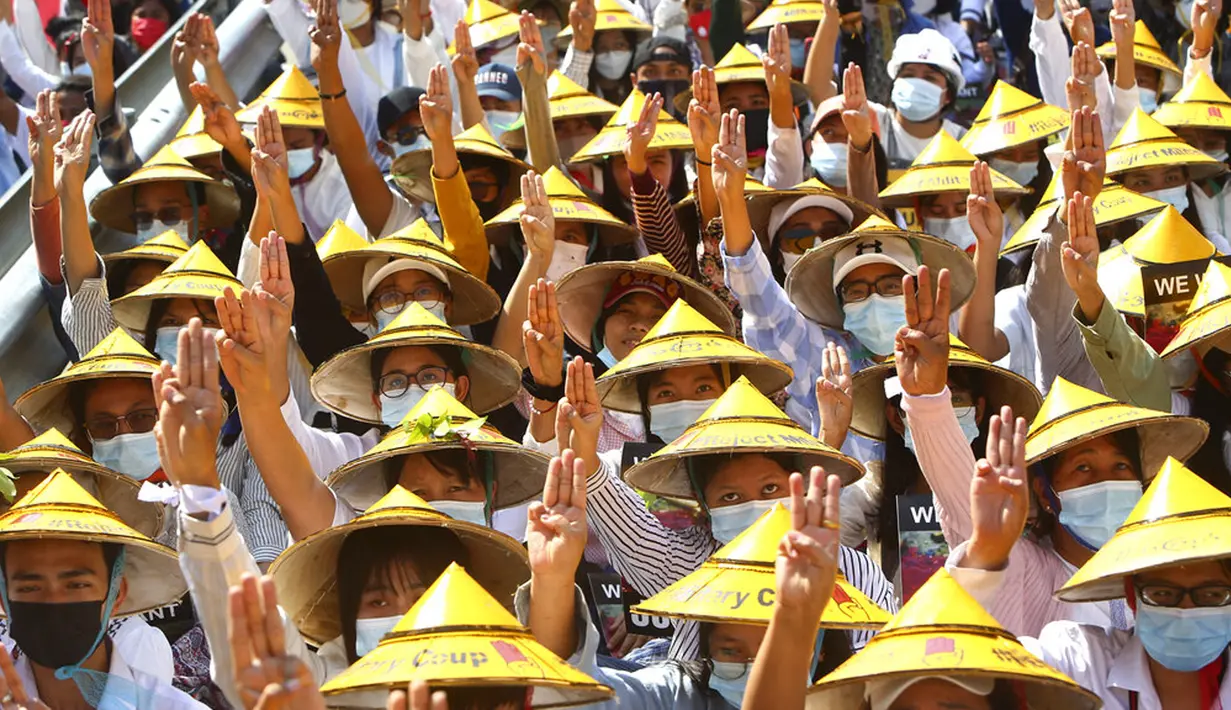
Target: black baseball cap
395,104
662,48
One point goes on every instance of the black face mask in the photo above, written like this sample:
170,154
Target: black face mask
488,209
756,129
55,635
669,88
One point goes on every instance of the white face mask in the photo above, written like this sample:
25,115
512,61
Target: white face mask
956,231
299,161
502,122
668,421
789,260
469,511
506,56
158,227
965,419
1148,99
394,409
1020,173
729,521
613,65
1218,155
421,143
829,162
82,69
166,341
1184,13
566,257
353,13
1176,196
369,632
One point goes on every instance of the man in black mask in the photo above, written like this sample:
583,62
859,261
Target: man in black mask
663,64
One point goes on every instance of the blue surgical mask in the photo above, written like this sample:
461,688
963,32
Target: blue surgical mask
299,161
955,230
166,341
1148,99
394,409
134,455
799,52
966,419
730,680
916,99
502,122
469,511
158,227
369,632
1020,173
668,421
829,162
607,357
730,520
1183,640
1093,513
1176,196
875,321
82,69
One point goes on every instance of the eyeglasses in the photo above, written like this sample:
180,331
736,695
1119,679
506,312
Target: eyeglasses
1213,595
800,239
856,291
395,384
393,301
140,421
169,216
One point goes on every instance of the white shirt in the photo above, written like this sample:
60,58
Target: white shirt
1013,320
149,691
898,144
324,198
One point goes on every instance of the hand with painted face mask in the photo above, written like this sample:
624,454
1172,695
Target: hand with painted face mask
921,347
190,410
999,495
268,678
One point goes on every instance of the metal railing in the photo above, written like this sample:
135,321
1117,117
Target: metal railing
29,351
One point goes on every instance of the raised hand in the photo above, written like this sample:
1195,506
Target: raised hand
556,526
807,564
999,496
269,159
45,131
220,123
11,685
252,353
1085,66
579,418
581,18
1078,21
98,36
833,394
1079,257
777,60
267,676
436,105
1204,19
275,271
704,112
543,335
530,47
1085,164
418,697
326,35
921,347
207,41
538,224
638,136
982,211
184,49
190,410
730,158
1123,19
72,154
465,62
855,114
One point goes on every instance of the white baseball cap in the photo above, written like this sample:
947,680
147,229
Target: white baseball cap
377,269
874,250
786,209
882,692
927,47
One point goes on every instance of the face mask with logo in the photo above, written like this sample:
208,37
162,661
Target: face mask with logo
668,421
369,632
1020,173
502,122
1093,513
613,65
299,161
1176,196
467,510
731,520
799,52
394,409
158,227
955,230
1183,640
146,31
829,162
134,455
875,321
1148,99
730,680
916,99
966,419
353,13
565,258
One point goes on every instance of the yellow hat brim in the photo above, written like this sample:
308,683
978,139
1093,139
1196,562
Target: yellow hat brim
413,170
582,107
611,231
1144,54
1195,114
1197,329
1037,123
1112,206
195,145
133,310
144,252
291,112
1161,434
737,75
1169,152
607,20
45,405
930,179
786,14
610,141
114,205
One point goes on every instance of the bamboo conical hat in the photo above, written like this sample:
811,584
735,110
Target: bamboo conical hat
1072,414
741,421
458,636
306,573
1167,238
743,571
339,239
567,99
198,274
344,383
740,65
412,170
292,97
999,385
165,248
1208,316
1145,143
787,12
59,508
191,140
488,22
1146,50
1012,117
942,631
114,205
669,134
1114,204
1200,103
569,204
610,15
943,166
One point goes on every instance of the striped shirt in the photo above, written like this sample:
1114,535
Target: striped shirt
658,225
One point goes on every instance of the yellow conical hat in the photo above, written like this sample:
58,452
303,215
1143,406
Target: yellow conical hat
339,239
568,99
439,422
736,585
943,632
740,65
1179,520
45,405
473,300
568,203
1072,414
1201,103
1146,143
1010,118
999,385
683,338
412,170
460,637
786,12
1114,204
191,141
198,274
306,573
810,284
1167,238
761,206
344,383
293,97
1208,316
488,22
1146,50
610,15
669,134
583,293
741,421
943,166
114,205
59,508
166,248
